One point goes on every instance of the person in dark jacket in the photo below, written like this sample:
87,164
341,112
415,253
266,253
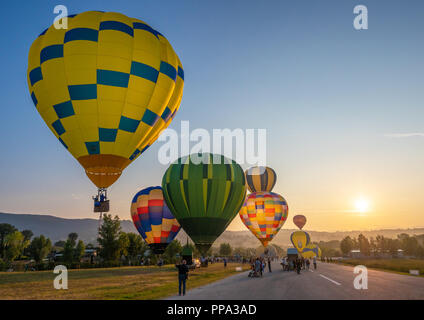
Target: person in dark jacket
269,264
298,265
182,276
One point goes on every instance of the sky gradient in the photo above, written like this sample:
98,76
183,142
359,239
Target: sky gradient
343,108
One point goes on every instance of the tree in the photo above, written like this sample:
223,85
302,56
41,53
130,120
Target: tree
108,239
15,244
393,246
124,242
73,252
364,245
346,245
409,244
5,230
171,251
40,248
68,252
27,234
225,249
136,245
72,237
60,244
79,251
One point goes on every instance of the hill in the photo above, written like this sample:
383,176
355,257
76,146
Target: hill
58,228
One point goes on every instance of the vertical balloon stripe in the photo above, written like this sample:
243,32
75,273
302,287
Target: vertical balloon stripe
264,180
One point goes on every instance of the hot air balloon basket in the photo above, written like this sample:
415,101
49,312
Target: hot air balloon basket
101,206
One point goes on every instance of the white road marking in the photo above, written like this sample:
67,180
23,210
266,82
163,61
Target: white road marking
331,280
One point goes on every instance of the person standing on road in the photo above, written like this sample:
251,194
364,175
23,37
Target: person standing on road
308,263
314,260
269,264
182,276
261,266
286,264
298,265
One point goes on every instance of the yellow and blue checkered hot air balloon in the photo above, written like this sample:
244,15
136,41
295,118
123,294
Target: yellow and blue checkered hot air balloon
106,87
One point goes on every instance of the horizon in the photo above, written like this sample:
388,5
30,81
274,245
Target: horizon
342,108
246,230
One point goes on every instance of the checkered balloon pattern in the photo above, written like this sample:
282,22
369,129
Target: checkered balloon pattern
152,218
106,85
264,213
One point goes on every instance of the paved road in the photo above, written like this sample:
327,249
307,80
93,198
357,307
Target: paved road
329,281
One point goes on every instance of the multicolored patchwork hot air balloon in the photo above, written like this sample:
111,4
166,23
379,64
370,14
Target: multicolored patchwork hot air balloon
153,220
264,213
299,220
204,192
300,240
106,87
260,179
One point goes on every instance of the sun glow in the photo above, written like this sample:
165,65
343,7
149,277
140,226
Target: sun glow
362,205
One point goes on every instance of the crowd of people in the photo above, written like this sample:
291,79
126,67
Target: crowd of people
258,266
298,264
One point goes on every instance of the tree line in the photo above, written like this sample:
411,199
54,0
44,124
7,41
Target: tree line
114,248
379,246
410,245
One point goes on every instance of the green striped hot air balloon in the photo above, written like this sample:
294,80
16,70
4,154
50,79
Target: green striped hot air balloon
204,192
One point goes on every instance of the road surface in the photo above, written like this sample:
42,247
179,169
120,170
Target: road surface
329,281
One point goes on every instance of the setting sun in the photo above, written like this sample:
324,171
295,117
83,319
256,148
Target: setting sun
362,205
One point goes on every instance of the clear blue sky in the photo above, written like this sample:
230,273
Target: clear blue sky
327,94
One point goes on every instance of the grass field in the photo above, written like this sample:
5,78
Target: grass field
111,283
397,265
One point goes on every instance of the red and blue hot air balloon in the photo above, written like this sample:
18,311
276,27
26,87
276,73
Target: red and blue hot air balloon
153,219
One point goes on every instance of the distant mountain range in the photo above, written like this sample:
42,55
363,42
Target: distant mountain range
58,229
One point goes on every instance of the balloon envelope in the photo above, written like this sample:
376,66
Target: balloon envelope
300,240
204,197
264,213
299,220
310,251
106,86
260,179
153,220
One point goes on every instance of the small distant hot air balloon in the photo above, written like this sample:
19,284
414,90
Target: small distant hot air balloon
106,87
264,213
260,179
204,196
153,220
299,220
300,240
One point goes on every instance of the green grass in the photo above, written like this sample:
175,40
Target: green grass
34,276
396,265
109,283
